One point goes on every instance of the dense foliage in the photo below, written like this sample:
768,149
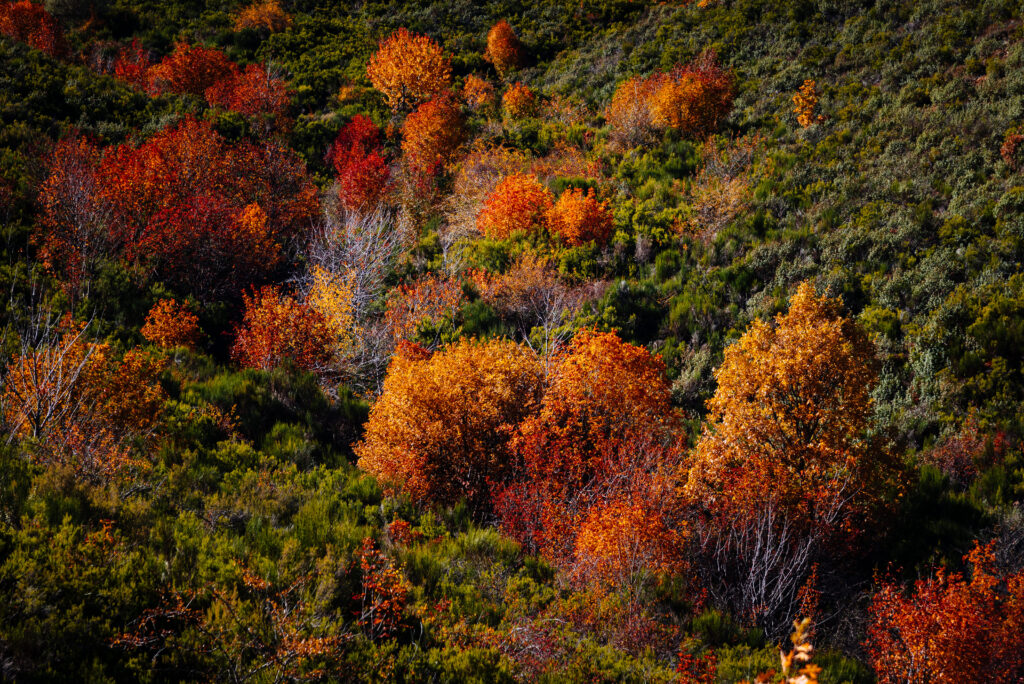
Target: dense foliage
544,341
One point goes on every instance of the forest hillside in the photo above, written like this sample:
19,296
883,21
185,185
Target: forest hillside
587,341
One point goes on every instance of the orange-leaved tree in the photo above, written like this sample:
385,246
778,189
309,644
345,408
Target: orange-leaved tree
791,415
277,329
787,457
601,392
409,69
477,93
85,405
950,628
805,102
266,15
169,325
432,134
440,429
602,437
579,217
518,203
693,98
504,50
30,23
624,540
519,102
189,69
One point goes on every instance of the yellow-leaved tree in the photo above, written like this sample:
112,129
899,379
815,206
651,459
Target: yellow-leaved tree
441,427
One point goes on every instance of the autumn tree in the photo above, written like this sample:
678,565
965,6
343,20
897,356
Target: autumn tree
579,217
432,134
602,440
504,50
277,329
83,404
693,98
805,102
624,541
440,429
951,628
786,458
74,218
185,206
519,102
409,69
170,324
30,23
601,392
254,91
629,111
190,69
518,203
132,64
358,160
384,592
477,93
266,15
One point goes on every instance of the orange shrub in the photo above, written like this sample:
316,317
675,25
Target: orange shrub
518,203
408,69
277,329
504,50
132,65
477,93
266,15
253,91
430,299
30,23
620,539
440,429
950,629
805,101
519,102
693,98
190,69
432,134
580,218
170,324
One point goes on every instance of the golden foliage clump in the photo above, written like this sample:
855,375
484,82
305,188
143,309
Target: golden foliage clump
169,325
790,418
83,404
621,539
519,102
504,50
409,69
441,427
629,111
266,15
477,93
805,102
331,296
432,134
693,98
519,203
578,217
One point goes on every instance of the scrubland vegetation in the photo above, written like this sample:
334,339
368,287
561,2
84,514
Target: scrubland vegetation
540,341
